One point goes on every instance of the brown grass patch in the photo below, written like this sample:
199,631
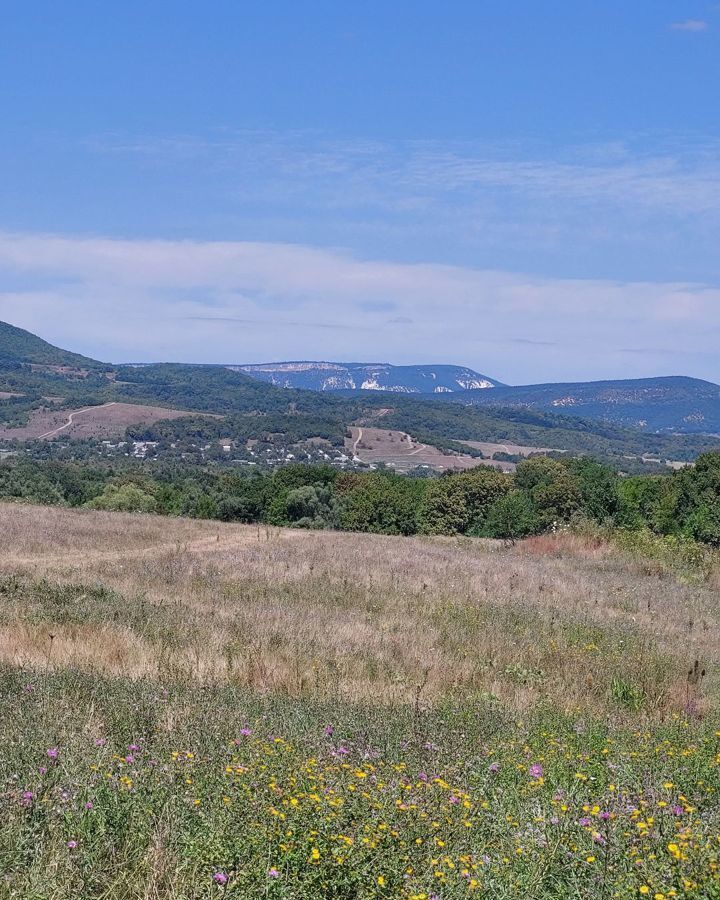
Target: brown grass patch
106,421
399,450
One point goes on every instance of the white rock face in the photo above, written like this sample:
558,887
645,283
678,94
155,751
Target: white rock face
474,384
332,376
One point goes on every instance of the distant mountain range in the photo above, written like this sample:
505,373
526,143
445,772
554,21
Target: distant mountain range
673,403
31,368
334,376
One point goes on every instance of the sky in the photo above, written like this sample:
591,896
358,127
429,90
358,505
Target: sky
529,189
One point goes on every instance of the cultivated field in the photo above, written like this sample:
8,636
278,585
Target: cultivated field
488,448
105,421
399,450
191,709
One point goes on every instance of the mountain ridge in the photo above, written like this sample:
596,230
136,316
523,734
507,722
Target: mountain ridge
33,369
326,375
663,403
21,347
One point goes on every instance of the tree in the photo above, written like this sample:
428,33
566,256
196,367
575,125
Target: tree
380,503
512,517
124,498
459,504
704,524
313,506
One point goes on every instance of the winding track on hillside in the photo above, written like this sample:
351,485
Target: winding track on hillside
71,419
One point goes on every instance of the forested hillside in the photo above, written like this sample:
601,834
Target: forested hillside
675,404
35,376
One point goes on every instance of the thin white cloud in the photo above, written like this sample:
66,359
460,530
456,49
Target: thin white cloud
690,25
236,302
414,176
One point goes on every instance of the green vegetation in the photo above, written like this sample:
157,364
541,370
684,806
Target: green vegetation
254,408
543,494
19,347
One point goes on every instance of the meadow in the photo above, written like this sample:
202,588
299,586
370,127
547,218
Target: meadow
193,709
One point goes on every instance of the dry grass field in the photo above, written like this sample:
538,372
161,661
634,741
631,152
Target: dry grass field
191,710
488,448
108,420
560,618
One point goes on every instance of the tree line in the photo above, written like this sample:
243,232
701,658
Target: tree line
542,494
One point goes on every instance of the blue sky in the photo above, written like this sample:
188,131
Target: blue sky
531,189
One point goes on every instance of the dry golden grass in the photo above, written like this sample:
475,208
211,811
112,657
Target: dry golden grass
103,421
361,617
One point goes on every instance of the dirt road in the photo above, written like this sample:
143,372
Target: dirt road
71,419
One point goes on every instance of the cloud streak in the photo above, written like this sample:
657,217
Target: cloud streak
242,302
694,25
645,205
680,176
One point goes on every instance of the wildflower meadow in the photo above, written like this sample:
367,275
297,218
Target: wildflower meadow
412,741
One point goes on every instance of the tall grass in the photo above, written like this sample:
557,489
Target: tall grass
191,710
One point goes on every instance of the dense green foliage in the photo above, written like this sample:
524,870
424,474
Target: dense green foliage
18,346
543,494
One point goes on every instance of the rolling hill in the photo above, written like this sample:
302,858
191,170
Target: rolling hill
667,404
37,379
20,347
674,404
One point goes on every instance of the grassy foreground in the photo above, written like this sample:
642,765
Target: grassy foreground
117,789
194,712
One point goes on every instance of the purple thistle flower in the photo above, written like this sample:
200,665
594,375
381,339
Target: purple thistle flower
72,845
89,804
329,730
246,732
584,821
220,878
273,873
130,759
53,753
536,770
494,767
677,810
42,770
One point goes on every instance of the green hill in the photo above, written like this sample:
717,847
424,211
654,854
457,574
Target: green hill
20,347
32,370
